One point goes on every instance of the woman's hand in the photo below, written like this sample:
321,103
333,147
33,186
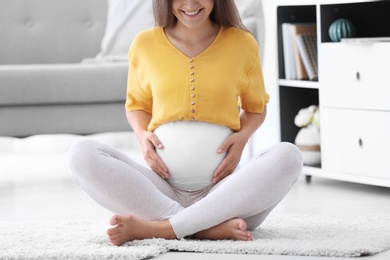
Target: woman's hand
233,146
149,143
235,143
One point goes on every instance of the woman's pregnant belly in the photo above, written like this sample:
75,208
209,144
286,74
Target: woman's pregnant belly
190,152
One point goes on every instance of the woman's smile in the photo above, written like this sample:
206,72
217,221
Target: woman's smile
193,13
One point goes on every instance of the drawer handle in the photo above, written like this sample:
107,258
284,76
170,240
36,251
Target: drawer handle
358,75
360,143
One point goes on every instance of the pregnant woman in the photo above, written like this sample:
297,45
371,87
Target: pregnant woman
195,96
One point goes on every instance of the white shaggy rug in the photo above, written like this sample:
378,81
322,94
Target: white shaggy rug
281,234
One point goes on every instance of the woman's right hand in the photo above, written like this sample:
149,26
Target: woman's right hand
149,143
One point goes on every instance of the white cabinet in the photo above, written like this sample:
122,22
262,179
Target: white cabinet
353,89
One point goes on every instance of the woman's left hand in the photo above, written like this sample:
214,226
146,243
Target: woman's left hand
233,146
235,143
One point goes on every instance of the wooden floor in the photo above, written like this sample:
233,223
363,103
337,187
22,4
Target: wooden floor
64,200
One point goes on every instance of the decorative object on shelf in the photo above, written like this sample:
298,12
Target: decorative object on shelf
308,137
341,28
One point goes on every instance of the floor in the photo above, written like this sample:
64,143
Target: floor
62,199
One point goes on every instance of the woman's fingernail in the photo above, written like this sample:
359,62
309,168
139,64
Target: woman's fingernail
160,146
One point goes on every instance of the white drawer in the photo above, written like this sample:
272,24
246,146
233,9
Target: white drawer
355,75
356,142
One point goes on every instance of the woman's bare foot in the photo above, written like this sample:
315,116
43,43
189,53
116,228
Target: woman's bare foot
129,228
232,229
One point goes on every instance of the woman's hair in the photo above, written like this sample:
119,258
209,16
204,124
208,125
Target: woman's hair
225,13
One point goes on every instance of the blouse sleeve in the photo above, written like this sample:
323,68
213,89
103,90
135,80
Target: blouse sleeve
254,97
138,97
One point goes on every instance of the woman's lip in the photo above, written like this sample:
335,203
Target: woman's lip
192,13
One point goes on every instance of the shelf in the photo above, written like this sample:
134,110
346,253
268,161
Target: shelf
292,99
369,18
291,14
299,83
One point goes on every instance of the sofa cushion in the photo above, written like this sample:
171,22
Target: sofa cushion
50,31
250,12
124,20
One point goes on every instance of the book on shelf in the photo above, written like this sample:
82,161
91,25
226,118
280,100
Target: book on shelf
307,47
288,54
293,63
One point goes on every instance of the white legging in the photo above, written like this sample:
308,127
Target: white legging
124,186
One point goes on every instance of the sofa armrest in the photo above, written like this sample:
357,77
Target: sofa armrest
63,98
62,83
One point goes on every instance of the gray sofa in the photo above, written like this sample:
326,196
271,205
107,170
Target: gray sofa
44,85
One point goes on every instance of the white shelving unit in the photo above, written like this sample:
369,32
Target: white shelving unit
352,91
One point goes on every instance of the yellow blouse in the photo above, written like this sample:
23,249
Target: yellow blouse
209,87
